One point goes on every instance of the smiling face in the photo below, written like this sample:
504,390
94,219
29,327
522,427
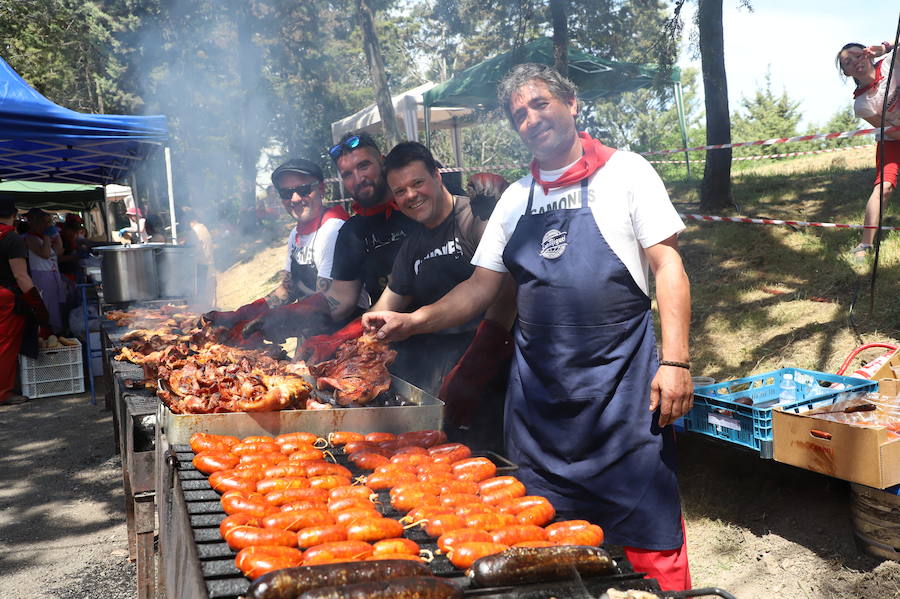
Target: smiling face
305,208
855,63
360,171
420,194
545,122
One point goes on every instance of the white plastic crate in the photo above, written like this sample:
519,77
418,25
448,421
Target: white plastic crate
56,371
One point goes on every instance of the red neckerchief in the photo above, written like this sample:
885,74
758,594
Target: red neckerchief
385,208
594,157
313,225
4,229
878,77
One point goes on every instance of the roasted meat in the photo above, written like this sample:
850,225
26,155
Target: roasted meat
358,372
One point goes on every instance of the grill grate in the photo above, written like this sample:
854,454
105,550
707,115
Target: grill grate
224,581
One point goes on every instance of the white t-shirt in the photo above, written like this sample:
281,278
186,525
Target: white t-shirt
316,248
868,105
628,200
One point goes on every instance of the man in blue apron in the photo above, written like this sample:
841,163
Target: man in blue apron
432,260
590,399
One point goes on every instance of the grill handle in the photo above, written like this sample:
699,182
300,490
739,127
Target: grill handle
704,592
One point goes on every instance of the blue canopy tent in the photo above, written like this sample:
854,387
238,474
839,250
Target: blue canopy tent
40,141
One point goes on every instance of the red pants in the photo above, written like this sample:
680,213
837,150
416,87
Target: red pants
11,326
891,161
669,568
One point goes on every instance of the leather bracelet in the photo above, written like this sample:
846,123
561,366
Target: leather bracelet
685,365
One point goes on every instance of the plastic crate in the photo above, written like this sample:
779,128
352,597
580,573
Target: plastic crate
56,371
716,413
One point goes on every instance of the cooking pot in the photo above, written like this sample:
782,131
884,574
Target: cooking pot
176,270
128,273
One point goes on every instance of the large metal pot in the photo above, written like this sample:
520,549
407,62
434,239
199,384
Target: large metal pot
176,270
129,273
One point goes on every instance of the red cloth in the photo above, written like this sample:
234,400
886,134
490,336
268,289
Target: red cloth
313,225
322,347
891,161
4,229
11,327
386,208
594,157
669,568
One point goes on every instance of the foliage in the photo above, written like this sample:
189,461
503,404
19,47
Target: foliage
764,116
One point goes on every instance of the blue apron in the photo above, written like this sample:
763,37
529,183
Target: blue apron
577,421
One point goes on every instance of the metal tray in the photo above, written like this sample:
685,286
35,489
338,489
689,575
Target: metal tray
424,412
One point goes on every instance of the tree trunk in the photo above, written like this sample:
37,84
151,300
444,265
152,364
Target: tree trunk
248,60
715,191
560,36
366,17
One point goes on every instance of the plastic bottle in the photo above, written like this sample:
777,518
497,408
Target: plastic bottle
788,390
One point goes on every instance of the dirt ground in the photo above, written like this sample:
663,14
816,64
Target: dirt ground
756,528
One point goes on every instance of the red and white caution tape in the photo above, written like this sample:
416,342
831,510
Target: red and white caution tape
775,221
767,156
779,140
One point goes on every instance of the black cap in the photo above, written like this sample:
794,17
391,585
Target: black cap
299,166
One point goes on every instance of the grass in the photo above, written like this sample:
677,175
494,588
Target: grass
764,297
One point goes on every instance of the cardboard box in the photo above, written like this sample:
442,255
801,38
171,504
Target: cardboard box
891,369
868,456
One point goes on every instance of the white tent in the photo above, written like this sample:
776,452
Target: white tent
410,114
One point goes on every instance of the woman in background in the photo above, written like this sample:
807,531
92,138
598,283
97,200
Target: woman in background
870,75
44,245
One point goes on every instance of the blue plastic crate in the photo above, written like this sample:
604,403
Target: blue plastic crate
716,413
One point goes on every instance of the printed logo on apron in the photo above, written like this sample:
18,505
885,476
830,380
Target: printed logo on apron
553,244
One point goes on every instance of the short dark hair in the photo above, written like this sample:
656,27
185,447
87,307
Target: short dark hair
365,141
837,59
521,74
408,152
7,205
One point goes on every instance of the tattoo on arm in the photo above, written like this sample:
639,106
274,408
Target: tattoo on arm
282,294
323,285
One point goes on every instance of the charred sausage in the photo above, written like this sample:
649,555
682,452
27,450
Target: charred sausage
526,565
289,583
420,587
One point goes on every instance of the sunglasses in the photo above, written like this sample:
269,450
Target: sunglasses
287,193
349,144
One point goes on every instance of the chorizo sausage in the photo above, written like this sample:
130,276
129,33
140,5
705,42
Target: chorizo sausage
316,535
258,439
285,470
307,504
329,481
238,519
424,438
358,491
247,536
265,460
514,489
393,546
497,482
457,499
474,508
340,550
591,535
450,453
518,533
450,539
474,469
305,455
290,495
427,511
256,561
407,449
347,517
404,502
489,520
293,582
539,515
255,504
563,528
209,442
438,525
382,480
458,486
268,485
421,587
411,459
294,520
235,480
526,565
301,438
409,556
324,468
368,460
245,447
535,544
360,445
208,462
374,529
338,438
379,437
465,554
515,505
345,503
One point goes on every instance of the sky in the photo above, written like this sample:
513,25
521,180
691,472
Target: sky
797,40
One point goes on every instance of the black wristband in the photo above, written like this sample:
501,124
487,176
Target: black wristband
685,365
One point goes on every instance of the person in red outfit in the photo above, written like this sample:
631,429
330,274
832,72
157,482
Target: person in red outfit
20,300
310,254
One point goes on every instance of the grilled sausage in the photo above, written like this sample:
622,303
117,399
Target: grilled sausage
316,535
360,491
236,520
379,437
360,445
383,480
408,556
256,561
290,495
208,462
304,455
329,481
306,504
590,535
341,550
338,438
296,519
515,505
209,442
449,540
422,587
464,554
267,485
458,486
450,453
474,469
518,533
438,525
404,502
285,470
426,438
368,460
255,504
296,438
427,511
345,503
514,489
455,500
245,447
535,544
526,565
263,460
474,508
394,546
374,529
348,517
489,520
289,583
235,480
324,468
258,439
248,536
564,528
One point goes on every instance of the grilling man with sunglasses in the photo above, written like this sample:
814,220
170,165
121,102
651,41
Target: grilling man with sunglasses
363,255
310,254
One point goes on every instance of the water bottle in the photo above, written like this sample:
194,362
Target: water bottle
788,390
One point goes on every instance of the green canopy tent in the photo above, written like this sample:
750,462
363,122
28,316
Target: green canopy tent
476,87
53,196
